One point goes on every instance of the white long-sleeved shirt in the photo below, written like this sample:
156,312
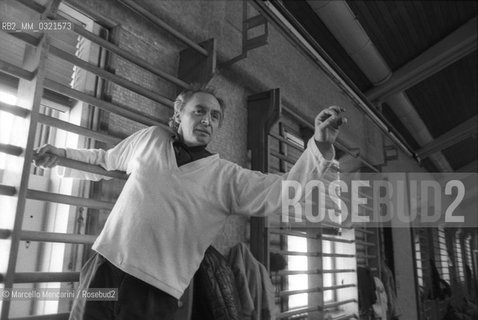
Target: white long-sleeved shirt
166,216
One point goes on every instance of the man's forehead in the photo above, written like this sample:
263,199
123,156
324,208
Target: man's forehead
206,100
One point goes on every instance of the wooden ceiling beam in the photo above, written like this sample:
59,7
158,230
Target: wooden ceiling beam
452,48
455,135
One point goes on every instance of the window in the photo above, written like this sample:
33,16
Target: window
469,259
442,255
459,258
6,122
297,263
46,134
328,263
418,258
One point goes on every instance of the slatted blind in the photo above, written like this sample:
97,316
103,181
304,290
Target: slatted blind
468,255
459,258
441,253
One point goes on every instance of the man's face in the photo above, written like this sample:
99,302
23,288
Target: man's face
200,118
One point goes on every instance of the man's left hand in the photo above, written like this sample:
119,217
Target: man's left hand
327,124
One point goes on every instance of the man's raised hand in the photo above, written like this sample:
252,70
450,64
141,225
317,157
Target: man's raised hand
327,124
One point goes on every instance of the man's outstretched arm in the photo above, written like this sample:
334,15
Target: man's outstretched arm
255,193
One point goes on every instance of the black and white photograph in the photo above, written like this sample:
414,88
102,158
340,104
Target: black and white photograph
238,160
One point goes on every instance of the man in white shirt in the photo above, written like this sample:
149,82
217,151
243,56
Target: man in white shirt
175,201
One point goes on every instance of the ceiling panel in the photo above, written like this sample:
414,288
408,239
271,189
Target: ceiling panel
401,30
449,97
462,153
